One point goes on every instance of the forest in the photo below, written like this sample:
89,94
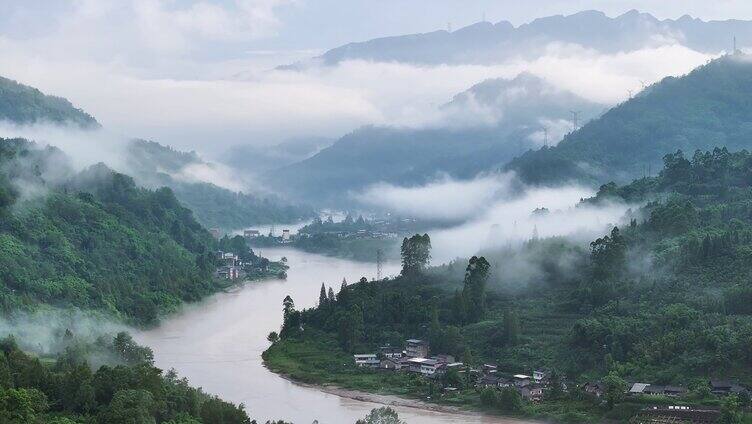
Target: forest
94,240
706,108
63,389
663,298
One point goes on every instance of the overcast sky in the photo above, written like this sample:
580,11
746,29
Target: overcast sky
194,74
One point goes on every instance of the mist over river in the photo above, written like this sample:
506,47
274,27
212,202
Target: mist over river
217,345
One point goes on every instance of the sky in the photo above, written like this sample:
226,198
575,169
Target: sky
197,74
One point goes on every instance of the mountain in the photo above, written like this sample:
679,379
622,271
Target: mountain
154,165
21,104
486,43
481,129
709,107
94,239
256,160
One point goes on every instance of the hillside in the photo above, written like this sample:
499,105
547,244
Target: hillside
94,240
708,107
486,43
663,299
482,128
154,165
21,104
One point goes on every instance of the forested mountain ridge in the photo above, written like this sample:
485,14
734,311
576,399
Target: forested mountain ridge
706,108
154,165
482,128
486,42
21,104
94,240
662,299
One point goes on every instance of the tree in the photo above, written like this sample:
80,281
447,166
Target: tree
615,389
510,400
608,255
730,411
130,407
383,415
416,253
474,290
273,337
511,328
323,300
290,317
130,351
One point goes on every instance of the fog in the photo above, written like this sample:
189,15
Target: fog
44,331
85,147
237,102
497,212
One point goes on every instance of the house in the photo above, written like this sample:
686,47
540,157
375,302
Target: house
367,360
285,236
430,367
531,392
416,348
229,272
675,391
390,364
414,364
521,380
725,387
654,389
390,352
251,233
444,359
638,388
539,376
595,388
489,369
488,381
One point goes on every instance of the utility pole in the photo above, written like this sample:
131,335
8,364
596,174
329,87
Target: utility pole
379,263
575,118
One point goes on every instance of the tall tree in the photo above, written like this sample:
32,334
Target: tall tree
416,253
474,290
323,300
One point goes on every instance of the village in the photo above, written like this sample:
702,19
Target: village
415,358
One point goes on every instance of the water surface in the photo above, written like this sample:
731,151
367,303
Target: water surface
217,345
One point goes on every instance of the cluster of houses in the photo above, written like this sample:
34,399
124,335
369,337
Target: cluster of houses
415,359
231,267
717,387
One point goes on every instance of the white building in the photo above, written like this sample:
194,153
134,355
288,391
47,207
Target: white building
367,360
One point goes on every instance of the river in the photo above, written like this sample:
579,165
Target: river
217,345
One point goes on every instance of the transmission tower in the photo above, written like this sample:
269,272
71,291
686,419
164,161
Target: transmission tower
545,136
575,119
379,263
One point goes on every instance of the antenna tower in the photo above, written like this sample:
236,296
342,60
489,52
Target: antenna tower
379,263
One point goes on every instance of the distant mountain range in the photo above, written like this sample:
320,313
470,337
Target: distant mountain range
481,130
485,43
709,107
22,104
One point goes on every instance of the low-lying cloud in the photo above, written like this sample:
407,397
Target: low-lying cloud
495,212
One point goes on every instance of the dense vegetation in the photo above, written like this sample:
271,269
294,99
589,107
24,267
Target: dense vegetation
21,104
664,299
706,108
64,389
154,166
94,240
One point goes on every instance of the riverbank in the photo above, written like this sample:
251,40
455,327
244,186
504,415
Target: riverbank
399,402
316,361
